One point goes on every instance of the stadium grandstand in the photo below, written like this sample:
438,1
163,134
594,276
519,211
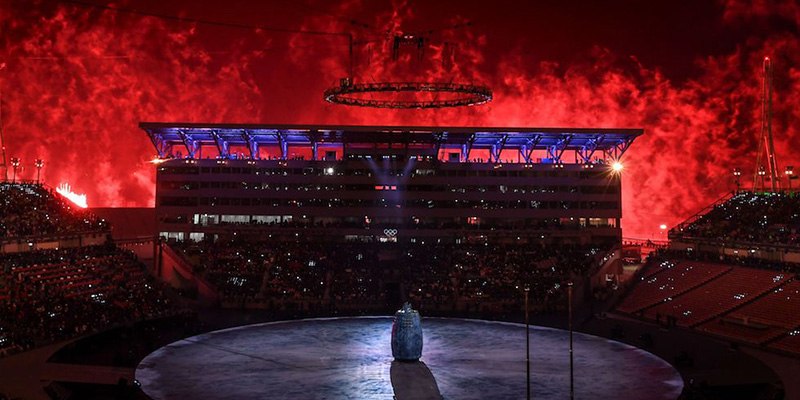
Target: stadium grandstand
34,216
459,221
60,276
257,223
730,271
251,205
746,223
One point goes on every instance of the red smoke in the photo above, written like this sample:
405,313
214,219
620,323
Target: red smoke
78,80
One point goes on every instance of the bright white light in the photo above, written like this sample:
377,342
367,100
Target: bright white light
157,160
617,166
662,227
329,171
78,199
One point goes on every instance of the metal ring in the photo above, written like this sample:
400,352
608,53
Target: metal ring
469,95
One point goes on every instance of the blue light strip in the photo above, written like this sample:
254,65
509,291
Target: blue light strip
555,141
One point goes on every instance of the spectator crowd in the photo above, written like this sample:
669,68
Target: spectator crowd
33,210
56,294
441,273
478,272
51,295
772,218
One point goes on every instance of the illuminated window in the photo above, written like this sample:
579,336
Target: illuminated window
172,235
196,236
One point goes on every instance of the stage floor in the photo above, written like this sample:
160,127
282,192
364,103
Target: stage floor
351,358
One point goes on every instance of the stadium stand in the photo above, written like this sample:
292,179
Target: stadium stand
34,210
57,294
277,270
734,288
435,273
748,305
772,218
664,280
493,272
750,239
763,319
48,295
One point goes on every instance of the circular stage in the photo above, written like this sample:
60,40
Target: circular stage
351,358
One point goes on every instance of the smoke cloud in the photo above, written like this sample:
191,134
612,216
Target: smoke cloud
77,81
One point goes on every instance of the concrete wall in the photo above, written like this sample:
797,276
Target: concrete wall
144,249
176,271
765,252
611,267
42,243
129,222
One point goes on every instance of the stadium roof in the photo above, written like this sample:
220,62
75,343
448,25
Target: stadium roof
584,141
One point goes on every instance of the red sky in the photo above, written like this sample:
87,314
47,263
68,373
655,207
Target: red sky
77,81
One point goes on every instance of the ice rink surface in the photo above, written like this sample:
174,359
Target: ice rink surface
350,358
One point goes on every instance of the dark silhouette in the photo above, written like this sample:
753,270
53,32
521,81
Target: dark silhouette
413,381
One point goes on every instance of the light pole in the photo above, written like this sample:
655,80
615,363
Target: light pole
15,165
39,165
571,364
2,140
762,172
789,175
527,346
737,172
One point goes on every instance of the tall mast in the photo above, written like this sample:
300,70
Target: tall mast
4,165
765,142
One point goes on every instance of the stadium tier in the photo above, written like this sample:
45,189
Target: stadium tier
729,271
769,219
33,210
50,295
389,183
752,305
272,274
665,280
719,295
55,281
765,318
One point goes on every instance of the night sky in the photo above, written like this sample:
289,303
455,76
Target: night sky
78,79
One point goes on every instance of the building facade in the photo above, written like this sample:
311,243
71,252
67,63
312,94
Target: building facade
389,183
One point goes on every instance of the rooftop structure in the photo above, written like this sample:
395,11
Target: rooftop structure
553,144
